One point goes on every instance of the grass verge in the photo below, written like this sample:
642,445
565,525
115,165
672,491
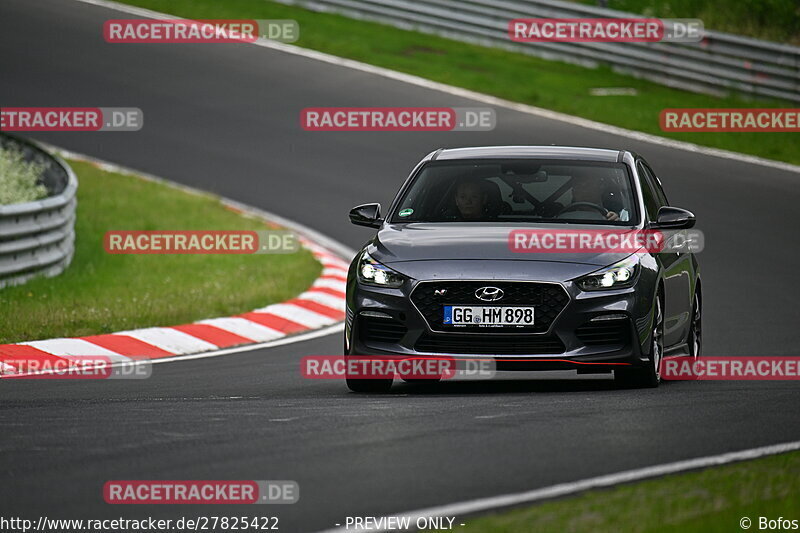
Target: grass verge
517,77
103,293
708,501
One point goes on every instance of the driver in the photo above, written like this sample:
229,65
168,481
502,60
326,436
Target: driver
471,199
587,190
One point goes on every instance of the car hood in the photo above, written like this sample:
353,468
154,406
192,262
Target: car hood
400,243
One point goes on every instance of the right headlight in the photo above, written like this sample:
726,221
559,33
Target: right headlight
372,272
617,276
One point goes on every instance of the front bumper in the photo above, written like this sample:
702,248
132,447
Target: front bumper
593,332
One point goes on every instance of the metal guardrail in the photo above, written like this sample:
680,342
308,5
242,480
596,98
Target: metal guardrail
720,64
38,238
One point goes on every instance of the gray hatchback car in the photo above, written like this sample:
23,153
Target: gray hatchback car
441,277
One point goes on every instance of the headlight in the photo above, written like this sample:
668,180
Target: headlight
371,272
617,276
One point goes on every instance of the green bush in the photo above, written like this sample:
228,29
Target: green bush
19,179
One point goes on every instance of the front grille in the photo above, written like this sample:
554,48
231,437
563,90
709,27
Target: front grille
375,329
495,345
548,300
604,333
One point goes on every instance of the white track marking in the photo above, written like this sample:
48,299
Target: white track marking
334,284
300,337
330,262
334,272
566,489
244,328
301,315
316,248
328,300
170,340
75,349
476,96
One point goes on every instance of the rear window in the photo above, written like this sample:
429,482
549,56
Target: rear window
518,191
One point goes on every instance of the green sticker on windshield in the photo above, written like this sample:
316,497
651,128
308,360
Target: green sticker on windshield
405,212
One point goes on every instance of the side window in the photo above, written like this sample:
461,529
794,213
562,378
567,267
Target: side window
662,198
651,203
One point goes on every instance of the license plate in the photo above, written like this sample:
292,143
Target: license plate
467,315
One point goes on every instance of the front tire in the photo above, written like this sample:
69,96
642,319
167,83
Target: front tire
369,386
695,339
420,381
650,375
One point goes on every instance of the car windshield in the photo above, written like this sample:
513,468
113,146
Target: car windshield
518,191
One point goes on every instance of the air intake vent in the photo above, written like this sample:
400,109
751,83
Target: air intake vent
604,333
385,330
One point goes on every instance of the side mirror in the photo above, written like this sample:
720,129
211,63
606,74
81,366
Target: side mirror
673,218
368,215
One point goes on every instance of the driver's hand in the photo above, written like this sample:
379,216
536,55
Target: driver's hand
611,215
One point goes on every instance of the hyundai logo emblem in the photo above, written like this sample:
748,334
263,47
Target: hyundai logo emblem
489,294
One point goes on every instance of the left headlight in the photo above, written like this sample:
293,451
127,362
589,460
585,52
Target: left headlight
370,272
617,276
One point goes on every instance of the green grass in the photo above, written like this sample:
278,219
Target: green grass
773,20
708,501
508,75
103,293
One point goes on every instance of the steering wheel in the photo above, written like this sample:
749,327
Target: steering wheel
584,205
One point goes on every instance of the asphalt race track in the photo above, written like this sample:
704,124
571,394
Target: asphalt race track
226,118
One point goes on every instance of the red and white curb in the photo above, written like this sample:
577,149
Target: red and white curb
319,306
